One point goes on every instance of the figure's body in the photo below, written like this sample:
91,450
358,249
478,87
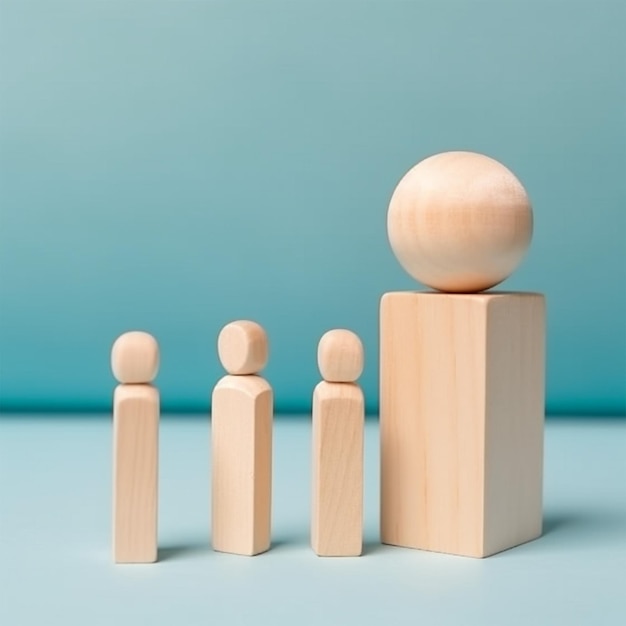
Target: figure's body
135,449
241,425
338,424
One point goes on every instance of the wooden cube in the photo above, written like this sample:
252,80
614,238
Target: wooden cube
462,413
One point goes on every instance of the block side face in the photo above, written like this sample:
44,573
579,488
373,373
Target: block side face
432,421
515,420
233,458
263,472
135,475
337,506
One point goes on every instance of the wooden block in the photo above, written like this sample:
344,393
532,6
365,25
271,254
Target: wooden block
337,508
135,473
462,411
242,408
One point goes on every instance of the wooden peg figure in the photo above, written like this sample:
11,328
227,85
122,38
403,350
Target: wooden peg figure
338,422
241,425
135,362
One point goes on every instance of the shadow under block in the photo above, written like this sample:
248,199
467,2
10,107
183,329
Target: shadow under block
135,473
462,414
241,425
337,507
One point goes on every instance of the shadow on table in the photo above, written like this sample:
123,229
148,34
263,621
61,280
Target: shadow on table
178,551
587,521
586,529
295,540
373,546
299,541
573,531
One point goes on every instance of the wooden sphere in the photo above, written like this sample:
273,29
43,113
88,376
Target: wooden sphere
243,347
135,358
340,356
459,222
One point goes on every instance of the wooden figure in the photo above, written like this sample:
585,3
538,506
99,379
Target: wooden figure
241,424
462,374
135,362
338,420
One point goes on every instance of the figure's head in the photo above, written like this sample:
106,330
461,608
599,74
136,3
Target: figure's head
243,348
340,356
459,222
135,358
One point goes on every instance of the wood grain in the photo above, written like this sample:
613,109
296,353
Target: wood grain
135,357
241,425
462,395
340,356
337,506
459,222
243,347
135,473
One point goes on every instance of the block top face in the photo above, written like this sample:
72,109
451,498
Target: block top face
135,358
477,299
459,222
243,348
340,356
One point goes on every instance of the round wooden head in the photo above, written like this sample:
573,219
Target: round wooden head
340,356
135,358
459,222
243,348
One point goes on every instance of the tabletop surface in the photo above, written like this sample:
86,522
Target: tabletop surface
55,554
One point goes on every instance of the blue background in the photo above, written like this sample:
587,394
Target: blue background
171,166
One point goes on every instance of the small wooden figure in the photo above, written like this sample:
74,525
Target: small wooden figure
462,373
135,362
241,424
338,421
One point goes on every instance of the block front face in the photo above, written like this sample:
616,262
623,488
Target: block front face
432,421
514,420
462,392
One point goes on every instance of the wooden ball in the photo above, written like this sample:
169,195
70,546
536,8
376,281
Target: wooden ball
135,358
459,222
243,348
340,356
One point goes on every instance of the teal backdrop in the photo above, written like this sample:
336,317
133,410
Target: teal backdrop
171,166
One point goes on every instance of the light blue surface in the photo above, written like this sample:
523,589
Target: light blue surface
56,569
172,165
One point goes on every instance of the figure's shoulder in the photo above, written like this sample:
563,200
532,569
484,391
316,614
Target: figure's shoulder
136,392
343,391
249,385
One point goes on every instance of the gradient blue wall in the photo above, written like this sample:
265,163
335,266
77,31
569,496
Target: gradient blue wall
171,166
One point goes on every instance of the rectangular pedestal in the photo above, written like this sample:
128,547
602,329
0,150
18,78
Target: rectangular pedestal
462,410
